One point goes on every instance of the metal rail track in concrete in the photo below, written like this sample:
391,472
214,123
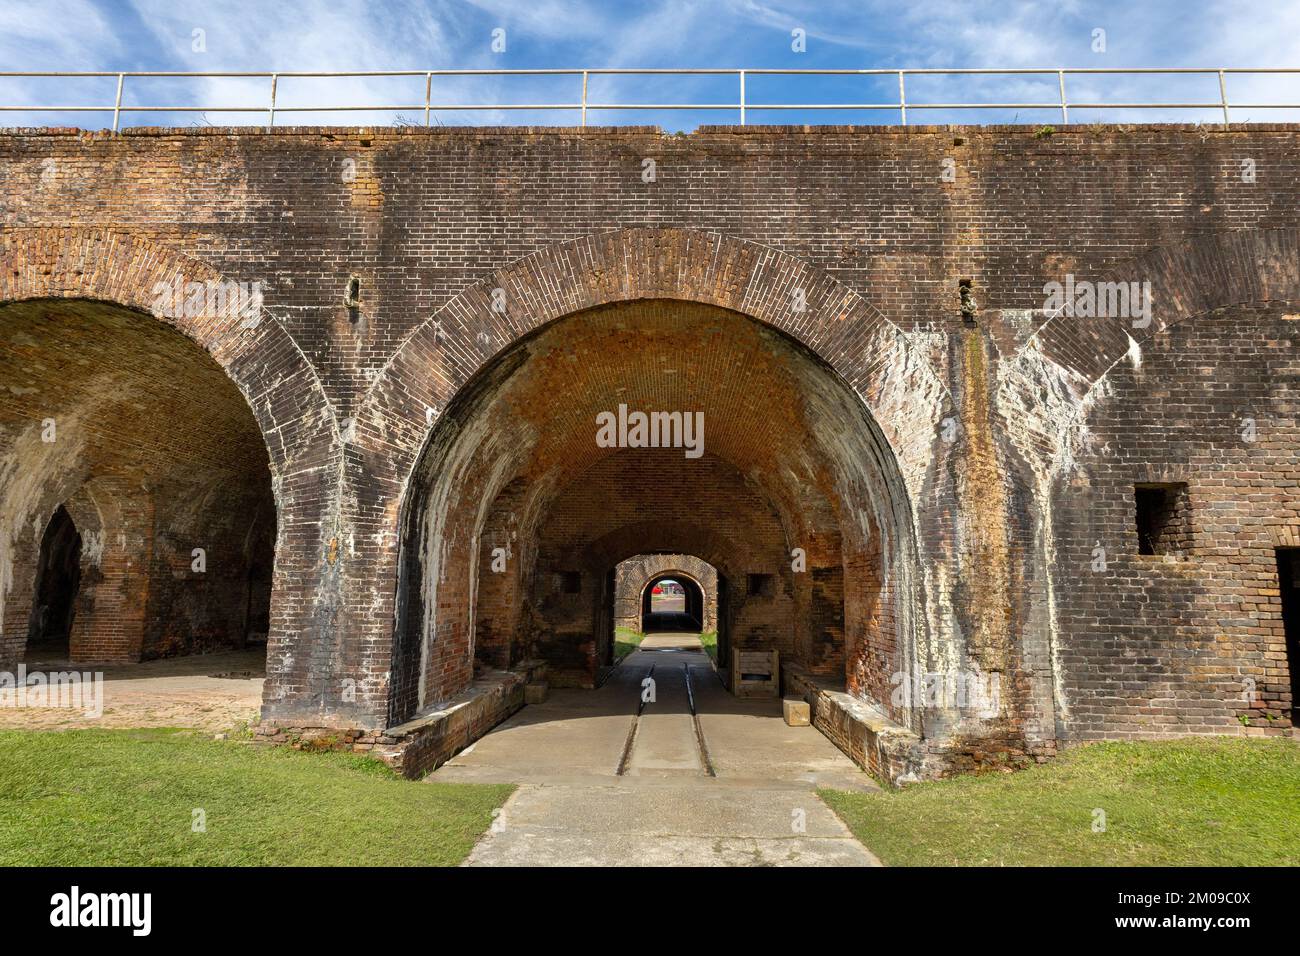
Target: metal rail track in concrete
699,730
668,719
636,722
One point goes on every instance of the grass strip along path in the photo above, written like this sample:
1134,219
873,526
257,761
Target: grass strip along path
138,797
1203,802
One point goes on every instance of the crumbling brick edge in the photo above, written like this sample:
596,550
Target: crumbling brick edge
891,753
426,742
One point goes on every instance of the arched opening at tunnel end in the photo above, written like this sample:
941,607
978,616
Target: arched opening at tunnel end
672,602
58,581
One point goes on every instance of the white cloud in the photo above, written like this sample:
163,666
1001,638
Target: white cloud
57,35
408,34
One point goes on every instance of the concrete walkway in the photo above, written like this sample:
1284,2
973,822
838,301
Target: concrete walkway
574,808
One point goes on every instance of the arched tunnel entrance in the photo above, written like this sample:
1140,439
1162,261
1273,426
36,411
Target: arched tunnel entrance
58,579
672,602
652,427
695,593
137,516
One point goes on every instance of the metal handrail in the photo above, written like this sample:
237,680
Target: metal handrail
584,104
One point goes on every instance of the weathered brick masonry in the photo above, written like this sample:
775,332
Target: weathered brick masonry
445,312
633,577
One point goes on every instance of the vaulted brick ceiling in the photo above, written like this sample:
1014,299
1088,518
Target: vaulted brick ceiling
163,454
140,398
772,412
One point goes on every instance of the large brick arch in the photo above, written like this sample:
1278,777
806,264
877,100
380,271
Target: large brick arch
280,385
906,400
895,381
262,359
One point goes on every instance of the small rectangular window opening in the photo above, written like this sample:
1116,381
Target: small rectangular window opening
1164,524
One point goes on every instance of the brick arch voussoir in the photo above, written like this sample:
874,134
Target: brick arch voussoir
92,509
895,381
672,571
258,353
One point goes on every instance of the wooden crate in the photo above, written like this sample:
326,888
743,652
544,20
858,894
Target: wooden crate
755,673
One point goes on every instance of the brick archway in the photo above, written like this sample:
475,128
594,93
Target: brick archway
260,357
894,380
113,270
634,575
697,598
669,573
858,633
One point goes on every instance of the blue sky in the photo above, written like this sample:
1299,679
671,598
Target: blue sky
244,35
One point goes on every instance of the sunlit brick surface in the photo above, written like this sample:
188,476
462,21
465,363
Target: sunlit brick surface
949,477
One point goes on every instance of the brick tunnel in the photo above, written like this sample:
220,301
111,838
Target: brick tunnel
788,490
138,514
634,581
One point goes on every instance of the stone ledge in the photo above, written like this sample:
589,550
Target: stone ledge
425,742
888,751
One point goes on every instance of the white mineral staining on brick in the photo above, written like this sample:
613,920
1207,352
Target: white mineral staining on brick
895,240
1134,353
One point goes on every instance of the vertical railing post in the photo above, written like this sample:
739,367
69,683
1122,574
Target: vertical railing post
1223,98
742,105
117,103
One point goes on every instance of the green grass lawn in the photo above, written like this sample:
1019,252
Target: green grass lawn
625,642
128,797
710,641
1227,802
